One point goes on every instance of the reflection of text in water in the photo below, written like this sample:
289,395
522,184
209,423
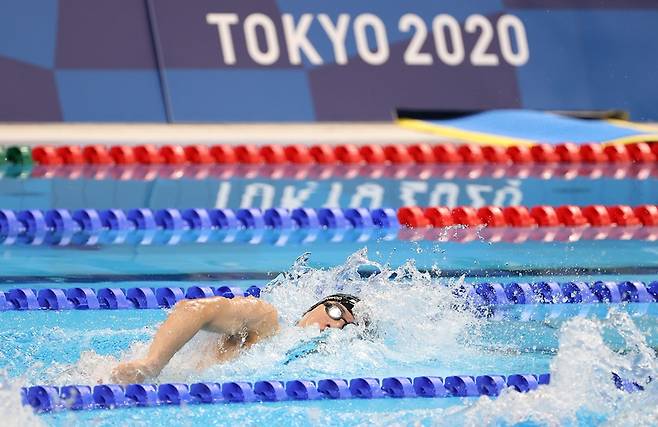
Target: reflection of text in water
367,194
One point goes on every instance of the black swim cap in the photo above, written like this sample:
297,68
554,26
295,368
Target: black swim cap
346,300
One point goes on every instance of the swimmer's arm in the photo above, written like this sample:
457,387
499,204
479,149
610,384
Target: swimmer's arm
184,321
221,315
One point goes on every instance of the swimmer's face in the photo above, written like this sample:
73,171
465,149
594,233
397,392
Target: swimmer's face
319,317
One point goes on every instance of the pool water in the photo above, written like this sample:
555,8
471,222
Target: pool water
420,334
406,285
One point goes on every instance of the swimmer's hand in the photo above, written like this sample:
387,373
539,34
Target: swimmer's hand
134,372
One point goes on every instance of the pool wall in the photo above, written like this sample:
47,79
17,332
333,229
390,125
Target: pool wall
172,61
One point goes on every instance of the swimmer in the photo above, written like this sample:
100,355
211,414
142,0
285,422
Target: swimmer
242,322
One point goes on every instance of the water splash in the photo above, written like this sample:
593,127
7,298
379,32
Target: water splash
406,305
12,412
581,389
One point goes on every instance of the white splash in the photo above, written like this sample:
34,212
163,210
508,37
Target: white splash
581,385
12,412
407,307
404,305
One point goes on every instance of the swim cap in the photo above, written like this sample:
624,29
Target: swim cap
369,331
346,300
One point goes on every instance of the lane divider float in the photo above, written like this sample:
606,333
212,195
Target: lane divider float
642,152
537,216
548,292
85,226
45,398
113,298
478,295
173,226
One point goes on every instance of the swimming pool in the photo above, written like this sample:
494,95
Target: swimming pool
420,331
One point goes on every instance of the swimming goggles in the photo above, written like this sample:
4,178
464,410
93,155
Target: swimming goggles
336,312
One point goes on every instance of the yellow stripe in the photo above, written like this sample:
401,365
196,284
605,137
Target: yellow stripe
488,139
632,139
644,127
652,135
470,136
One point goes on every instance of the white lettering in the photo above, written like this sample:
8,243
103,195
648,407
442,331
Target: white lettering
296,40
475,191
292,199
511,22
333,199
252,191
445,189
510,195
224,22
413,55
479,55
408,190
222,195
381,52
271,53
456,56
263,42
371,191
336,35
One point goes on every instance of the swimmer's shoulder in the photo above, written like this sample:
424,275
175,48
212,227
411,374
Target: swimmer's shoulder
260,309
231,316
263,318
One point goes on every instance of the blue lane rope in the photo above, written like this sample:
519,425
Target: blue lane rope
170,226
44,398
113,298
491,294
478,295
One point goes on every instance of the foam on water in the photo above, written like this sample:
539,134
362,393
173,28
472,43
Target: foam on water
581,388
12,411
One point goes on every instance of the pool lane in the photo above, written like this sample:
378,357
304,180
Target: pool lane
235,259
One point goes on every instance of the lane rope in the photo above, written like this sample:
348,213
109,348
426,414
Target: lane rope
145,226
81,298
477,295
537,216
44,398
641,152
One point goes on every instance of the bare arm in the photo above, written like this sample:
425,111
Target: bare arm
226,316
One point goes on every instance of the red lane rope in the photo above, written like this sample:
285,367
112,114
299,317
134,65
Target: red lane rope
534,217
346,154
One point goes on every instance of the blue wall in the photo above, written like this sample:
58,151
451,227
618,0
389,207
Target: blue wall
161,60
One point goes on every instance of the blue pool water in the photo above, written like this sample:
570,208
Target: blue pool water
423,335
419,330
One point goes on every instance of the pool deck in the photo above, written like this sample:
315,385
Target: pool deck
262,133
